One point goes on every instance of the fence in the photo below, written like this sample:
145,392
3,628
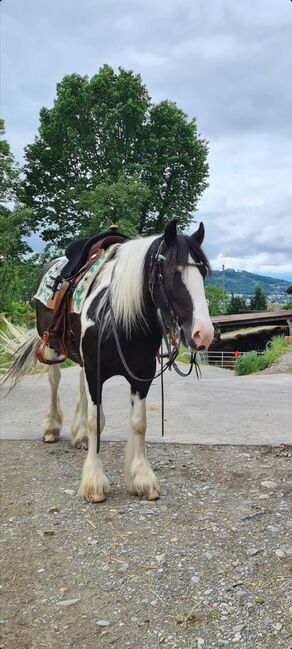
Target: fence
226,360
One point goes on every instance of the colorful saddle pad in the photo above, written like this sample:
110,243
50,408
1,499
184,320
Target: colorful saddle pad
44,293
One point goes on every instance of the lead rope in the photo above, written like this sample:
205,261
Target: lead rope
172,353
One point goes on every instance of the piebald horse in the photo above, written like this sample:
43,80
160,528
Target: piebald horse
144,278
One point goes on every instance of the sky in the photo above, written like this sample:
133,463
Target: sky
227,63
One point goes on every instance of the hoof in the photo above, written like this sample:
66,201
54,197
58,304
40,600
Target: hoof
95,498
153,495
82,444
51,436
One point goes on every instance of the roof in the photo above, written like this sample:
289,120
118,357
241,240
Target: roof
253,317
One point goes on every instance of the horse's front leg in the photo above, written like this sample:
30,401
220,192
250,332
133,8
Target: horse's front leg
78,432
53,418
94,485
140,478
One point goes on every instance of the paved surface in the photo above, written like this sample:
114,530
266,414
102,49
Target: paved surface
219,409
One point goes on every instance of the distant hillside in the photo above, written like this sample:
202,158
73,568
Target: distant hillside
243,283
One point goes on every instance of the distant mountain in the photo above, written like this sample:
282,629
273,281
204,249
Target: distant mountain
240,282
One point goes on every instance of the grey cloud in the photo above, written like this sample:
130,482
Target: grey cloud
226,62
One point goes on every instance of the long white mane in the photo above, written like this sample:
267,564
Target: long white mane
125,275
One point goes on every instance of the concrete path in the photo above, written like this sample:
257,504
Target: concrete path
219,409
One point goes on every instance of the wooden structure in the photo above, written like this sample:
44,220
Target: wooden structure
253,319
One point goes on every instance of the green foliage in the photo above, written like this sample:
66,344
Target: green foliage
258,301
251,362
215,297
8,169
287,306
117,202
103,141
236,304
18,284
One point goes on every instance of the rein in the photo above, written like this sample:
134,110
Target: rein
171,336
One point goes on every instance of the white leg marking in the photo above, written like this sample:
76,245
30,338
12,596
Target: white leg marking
53,418
140,478
78,430
94,484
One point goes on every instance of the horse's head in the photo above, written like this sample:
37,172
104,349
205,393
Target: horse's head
183,267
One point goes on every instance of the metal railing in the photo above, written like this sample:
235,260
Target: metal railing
225,360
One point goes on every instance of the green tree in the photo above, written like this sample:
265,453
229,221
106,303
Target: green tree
258,301
13,216
16,271
215,297
103,136
236,304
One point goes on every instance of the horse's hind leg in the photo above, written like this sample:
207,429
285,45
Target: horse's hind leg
140,478
78,431
94,484
53,418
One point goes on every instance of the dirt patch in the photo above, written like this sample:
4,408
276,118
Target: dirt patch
209,565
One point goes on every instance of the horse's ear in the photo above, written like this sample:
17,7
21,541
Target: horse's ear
199,234
170,232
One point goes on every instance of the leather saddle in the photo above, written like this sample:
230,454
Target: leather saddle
81,254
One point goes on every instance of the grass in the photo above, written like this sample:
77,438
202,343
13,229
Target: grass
251,362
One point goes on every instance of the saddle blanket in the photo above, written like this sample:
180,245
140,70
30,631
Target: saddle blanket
44,293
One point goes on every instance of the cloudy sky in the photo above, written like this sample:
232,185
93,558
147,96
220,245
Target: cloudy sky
226,62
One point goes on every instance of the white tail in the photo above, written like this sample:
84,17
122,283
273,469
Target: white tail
21,345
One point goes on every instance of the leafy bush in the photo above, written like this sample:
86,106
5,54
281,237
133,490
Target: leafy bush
251,362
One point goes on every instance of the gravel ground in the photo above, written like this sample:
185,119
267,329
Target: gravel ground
206,566
282,366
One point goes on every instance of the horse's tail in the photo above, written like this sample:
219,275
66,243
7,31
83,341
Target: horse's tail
19,346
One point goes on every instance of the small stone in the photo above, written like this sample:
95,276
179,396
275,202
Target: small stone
3,621
102,623
41,570
49,532
69,492
53,510
145,510
68,602
160,557
280,553
124,567
252,552
208,555
195,579
278,626
269,484
238,628
201,642
237,637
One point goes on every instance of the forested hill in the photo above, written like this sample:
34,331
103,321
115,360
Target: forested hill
243,283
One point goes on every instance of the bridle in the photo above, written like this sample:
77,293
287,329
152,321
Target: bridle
171,332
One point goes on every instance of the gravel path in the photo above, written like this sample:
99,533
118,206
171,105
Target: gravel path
206,566
282,366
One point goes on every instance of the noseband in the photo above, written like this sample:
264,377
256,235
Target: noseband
169,318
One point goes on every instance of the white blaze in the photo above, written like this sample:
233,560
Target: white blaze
202,326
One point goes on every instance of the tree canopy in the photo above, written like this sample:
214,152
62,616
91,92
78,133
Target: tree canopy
105,151
14,217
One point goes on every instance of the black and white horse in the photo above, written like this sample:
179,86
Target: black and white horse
142,275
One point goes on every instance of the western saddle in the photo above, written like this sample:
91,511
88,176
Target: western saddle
81,255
